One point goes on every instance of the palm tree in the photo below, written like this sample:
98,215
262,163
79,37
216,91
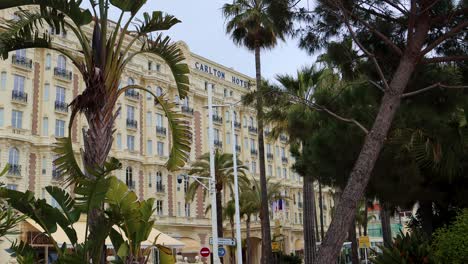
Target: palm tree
256,25
224,174
101,59
229,213
251,203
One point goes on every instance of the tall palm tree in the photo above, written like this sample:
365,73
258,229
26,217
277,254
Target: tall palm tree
229,213
224,174
251,201
281,115
256,25
101,59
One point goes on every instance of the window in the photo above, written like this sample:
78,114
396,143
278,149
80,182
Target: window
150,65
225,92
158,67
59,128
149,147
236,140
235,116
245,121
13,187
160,148
228,138
159,182
45,126
3,80
285,173
159,120
159,91
18,85
129,177
216,134
16,119
186,184
44,166
187,210
277,151
246,143
231,93
179,210
130,81
62,62
251,122
119,141
46,92
206,86
278,172
21,53
148,95
1,116
186,102
254,167
48,61
159,207
268,149
130,112
283,152
252,144
13,156
131,143
228,118
270,170
176,100
60,94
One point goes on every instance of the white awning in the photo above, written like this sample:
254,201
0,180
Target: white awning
80,227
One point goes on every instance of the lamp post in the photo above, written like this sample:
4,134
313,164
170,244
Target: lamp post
214,218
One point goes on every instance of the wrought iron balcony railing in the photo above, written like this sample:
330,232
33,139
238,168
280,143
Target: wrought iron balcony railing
218,143
132,94
254,152
253,129
61,106
19,96
187,110
217,119
14,170
160,188
161,130
269,156
63,73
21,61
132,123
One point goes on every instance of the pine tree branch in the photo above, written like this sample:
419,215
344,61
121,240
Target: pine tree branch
401,8
435,85
444,37
444,59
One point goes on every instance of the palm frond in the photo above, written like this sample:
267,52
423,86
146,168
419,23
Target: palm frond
132,6
23,252
155,22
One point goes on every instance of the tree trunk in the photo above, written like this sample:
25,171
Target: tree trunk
247,240
386,227
365,162
354,244
322,231
219,212
309,221
265,220
317,236
426,215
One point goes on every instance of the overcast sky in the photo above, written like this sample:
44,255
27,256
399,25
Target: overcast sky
203,29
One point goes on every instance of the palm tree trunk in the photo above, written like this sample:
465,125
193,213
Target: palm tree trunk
365,162
322,231
354,244
219,212
386,227
425,210
265,219
247,240
366,216
309,220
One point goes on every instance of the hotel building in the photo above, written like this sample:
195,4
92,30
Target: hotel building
36,85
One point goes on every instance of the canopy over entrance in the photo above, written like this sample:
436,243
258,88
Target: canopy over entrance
80,227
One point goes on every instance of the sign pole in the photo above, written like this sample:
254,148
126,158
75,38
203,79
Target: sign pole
365,254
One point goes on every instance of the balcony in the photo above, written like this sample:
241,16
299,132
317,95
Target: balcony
284,159
63,74
161,131
131,185
238,148
160,188
19,96
254,152
132,123
23,62
14,170
253,130
56,175
283,138
237,125
269,156
61,107
217,119
218,143
187,110
132,94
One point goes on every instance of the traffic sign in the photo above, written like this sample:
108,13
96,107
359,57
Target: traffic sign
221,252
364,242
205,252
275,246
224,241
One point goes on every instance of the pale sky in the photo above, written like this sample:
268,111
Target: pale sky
203,29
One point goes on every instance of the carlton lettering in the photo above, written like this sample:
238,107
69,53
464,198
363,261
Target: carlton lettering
221,75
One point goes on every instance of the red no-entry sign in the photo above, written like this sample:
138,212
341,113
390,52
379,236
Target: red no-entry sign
205,252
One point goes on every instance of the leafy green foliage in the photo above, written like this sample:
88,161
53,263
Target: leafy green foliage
451,242
155,22
9,219
24,253
414,248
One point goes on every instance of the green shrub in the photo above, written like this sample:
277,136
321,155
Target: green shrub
451,243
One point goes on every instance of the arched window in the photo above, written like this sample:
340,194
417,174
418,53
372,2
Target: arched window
235,116
129,177
148,95
130,81
48,61
251,122
159,91
13,156
61,62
